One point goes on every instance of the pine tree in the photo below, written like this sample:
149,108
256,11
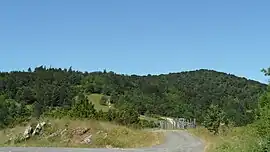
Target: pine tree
83,108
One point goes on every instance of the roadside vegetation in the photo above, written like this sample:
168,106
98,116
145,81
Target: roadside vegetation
105,127
217,100
186,94
73,133
254,137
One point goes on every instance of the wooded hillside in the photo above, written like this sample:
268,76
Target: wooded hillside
185,94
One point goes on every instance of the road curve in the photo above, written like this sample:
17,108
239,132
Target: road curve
176,141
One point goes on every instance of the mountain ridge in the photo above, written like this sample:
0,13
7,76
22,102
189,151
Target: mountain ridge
184,94
142,75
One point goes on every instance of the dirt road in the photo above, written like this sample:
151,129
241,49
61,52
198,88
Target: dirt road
176,141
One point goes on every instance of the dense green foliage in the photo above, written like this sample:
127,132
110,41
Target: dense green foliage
103,101
214,117
185,94
263,122
12,112
254,137
82,108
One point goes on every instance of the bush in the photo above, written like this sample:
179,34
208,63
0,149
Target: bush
263,124
126,116
255,137
214,118
12,113
57,112
100,115
111,115
103,100
262,146
82,108
147,124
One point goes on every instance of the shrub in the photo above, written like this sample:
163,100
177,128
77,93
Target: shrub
103,100
57,112
147,124
82,108
263,124
214,118
100,115
12,113
126,116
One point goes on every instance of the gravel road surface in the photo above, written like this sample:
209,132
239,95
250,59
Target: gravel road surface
176,141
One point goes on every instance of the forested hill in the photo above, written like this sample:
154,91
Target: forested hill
185,94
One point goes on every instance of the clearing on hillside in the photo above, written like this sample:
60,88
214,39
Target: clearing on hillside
95,99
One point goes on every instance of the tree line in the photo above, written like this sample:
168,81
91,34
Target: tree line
37,92
253,137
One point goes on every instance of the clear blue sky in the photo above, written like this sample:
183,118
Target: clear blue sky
137,36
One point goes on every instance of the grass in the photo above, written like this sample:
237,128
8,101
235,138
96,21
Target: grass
210,141
95,98
148,118
240,139
104,134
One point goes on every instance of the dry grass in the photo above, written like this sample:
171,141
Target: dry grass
104,134
210,141
237,139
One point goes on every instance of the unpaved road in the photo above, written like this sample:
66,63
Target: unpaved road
176,141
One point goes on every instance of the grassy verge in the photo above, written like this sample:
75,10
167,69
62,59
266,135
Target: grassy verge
209,140
241,139
103,135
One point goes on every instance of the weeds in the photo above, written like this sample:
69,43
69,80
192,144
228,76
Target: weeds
67,133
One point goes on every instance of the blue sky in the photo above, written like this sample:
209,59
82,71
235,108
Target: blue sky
137,37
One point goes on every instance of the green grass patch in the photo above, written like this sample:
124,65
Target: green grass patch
142,117
95,99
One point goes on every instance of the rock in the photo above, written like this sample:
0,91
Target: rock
109,146
38,128
57,133
105,136
27,133
19,138
80,131
87,140
63,131
53,134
